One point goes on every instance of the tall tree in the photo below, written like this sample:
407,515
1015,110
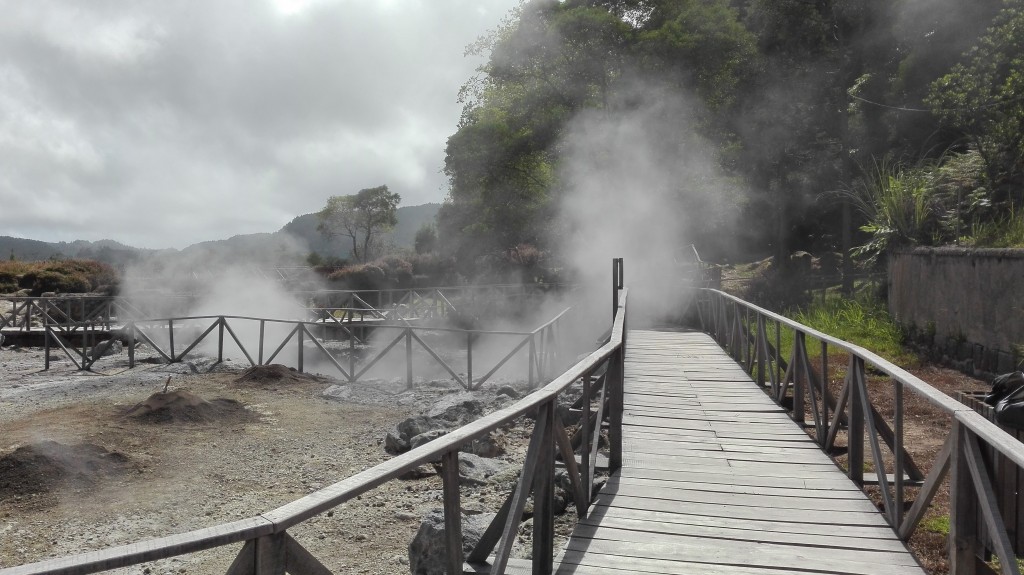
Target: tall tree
983,99
362,217
552,62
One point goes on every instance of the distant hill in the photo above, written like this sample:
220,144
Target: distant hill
289,245
108,251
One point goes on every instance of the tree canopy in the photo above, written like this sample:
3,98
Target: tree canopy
362,217
793,101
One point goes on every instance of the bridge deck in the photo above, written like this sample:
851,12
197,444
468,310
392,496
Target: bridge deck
719,480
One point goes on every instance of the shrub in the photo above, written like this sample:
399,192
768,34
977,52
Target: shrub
397,270
8,281
360,277
48,280
67,276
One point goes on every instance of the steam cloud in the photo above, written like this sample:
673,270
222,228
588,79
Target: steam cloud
640,178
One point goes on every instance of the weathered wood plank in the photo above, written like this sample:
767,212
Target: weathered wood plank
718,480
768,526
744,554
682,495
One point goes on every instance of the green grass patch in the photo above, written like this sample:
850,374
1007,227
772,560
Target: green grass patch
939,524
1005,232
862,320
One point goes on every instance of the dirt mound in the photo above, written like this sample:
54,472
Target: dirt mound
44,466
180,406
274,374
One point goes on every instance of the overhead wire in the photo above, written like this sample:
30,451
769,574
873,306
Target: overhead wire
909,109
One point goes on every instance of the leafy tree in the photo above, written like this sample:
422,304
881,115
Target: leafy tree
982,99
426,239
548,64
362,217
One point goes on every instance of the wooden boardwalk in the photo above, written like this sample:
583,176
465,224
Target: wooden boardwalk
716,479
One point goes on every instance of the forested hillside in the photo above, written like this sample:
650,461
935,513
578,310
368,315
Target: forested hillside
907,115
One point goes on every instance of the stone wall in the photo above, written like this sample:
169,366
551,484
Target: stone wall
966,305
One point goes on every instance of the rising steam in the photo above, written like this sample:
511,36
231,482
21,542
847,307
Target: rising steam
640,178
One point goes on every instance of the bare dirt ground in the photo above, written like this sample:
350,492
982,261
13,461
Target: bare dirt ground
186,473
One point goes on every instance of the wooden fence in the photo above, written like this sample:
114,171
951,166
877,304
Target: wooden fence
267,548
341,306
752,335
165,336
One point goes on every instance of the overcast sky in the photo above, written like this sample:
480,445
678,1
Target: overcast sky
161,124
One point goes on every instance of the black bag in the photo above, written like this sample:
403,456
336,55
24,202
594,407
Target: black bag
1004,385
1010,409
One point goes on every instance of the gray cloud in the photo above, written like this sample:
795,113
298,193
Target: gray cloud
160,124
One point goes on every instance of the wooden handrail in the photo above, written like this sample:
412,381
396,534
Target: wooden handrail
275,523
739,326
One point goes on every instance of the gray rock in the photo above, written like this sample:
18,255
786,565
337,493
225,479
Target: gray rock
339,392
508,391
451,400
457,409
427,550
427,437
394,444
476,469
106,348
418,425
485,446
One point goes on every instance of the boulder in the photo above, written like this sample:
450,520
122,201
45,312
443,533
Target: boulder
418,425
427,552
426,437
508,391
486,446
106,348
477,470
394,444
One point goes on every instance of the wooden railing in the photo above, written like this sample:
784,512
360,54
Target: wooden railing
166,335
340,306
269,549
753,336
27,312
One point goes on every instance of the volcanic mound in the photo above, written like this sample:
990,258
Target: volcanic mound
183,407
44,466
274,374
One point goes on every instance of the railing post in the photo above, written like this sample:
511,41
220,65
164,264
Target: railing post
760,347
131,344
299,337
220,340
822,432
452,511
469,360
531,360
799,377
544,494
270,555
963,509
170,337
351,354
46,344
897,449
855,431
615,387
586,465
263,326
617,279
408,357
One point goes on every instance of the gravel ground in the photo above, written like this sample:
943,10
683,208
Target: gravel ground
193,475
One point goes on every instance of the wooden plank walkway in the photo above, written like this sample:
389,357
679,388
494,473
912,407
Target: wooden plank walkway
716,479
